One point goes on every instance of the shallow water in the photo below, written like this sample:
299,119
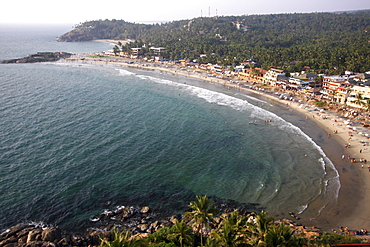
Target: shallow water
76,139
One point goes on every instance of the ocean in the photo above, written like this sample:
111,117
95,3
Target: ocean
76,139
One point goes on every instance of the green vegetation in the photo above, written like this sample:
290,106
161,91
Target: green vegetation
320,103
325,42
97,56
232,230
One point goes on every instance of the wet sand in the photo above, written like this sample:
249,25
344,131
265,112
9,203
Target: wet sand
350,210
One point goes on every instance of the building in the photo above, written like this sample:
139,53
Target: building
298,82
157,50
253,74
273,75
355,92
335,88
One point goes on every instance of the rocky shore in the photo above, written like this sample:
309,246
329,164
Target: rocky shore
39,57
140,220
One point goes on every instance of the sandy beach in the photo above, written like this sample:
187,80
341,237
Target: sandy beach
350,210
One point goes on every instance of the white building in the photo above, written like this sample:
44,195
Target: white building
273,75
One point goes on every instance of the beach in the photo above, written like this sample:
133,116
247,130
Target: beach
350,210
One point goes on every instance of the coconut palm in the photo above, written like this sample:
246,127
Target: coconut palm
181,233
259,229
229,232
367,104
227,236
359,99
120,239
202,214
280,235
232,231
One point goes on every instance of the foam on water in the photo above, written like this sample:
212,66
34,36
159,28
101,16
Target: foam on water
101,135
331,190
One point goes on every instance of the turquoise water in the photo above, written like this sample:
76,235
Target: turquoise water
78,138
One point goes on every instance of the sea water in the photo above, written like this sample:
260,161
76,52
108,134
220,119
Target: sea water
78,138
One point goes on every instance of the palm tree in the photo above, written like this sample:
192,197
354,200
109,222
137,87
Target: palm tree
359,99
227,235
115,50
280,235
259,228
232,231
202,214
181,233
367,104
120,239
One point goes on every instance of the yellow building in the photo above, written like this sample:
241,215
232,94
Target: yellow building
363,91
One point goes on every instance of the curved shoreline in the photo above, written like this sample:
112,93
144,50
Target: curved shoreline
350,210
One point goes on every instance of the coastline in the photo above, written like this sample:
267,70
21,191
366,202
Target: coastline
350,209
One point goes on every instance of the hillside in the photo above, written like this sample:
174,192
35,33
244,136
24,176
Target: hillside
326,42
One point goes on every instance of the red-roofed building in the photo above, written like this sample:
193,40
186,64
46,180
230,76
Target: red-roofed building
335,88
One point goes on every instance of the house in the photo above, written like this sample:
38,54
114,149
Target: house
299,82
353,99
252,74
273,75
157,50
335,88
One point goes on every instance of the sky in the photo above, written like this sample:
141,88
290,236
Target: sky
149,11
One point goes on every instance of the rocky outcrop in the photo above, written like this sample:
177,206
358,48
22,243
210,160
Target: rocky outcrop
32,235
140,220
40,57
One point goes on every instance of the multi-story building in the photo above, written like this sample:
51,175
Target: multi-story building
252,74
358,94
273,75
335,88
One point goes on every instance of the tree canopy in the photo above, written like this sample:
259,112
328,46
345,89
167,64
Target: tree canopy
325,42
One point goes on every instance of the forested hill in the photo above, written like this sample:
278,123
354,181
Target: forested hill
326,42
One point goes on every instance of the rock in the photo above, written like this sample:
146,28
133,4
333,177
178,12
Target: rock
309,235
8,241
144,210
217,220
63,242
52,234
34,235
143,227
40,57
165,223
34,244
13,231
174,219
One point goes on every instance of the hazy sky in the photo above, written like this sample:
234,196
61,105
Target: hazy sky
76,11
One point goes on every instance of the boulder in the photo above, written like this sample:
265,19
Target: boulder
34,235
13,231
9,241
143,227
145,210
174,219
51,234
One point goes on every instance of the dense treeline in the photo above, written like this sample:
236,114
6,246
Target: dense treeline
326,42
